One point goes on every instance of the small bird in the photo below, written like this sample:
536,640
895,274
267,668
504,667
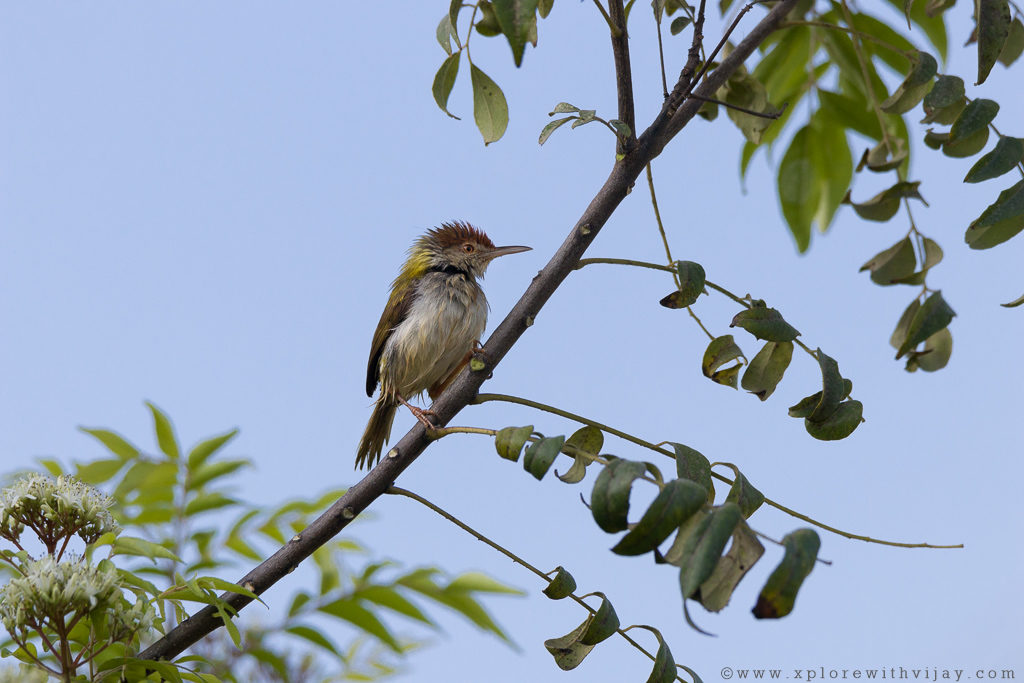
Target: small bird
430,327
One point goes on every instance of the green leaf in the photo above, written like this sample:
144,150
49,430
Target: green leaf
550,128
564,108
114,442
568,651
893,264
767,368
799,191
835,167
490,110
583,446
602,625
561,586
933,315
833,388
1014,45
204,449
208,472
677,501
720,351
744,552
98,471
363,619
1002,220
746,91
454,7
883,157
488,24
540,454
664,670
509,441
622,129
515,18
743,493
388,597
704,546
691,285
765,324
129,545
779,593
944,103
444,81
544,7
993,17
477,582
932,257
208,501
314,635
444,34
678,25
1003,158
1016,302
164,432
839,424
609,499
914,87
691,464
970,130
935,355
851,112
886,203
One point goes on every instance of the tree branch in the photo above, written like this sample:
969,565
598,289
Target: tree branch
623,72
464,389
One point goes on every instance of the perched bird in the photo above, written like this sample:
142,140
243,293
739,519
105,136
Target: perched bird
434,318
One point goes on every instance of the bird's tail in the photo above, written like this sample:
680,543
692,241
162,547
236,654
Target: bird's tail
378,431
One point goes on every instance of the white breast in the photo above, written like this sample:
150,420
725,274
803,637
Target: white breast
443,322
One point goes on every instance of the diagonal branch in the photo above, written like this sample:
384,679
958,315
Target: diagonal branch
464,389
623,72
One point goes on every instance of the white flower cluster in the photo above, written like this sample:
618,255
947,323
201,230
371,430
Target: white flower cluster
49,590
61,507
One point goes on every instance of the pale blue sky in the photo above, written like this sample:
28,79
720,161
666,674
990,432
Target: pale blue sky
203,207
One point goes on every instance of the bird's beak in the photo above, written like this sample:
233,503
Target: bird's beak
502,251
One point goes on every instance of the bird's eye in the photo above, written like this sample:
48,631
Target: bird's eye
468,248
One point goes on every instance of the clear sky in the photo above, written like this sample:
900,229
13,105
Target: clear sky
203,206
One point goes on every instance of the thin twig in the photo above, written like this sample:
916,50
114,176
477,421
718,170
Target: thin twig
623,72
761,114
394,490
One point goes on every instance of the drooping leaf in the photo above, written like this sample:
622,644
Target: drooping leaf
1014,45
945,101
886,203
893,264
704,547
932,257
603,624
833,388
584,445
1002,220
935,355
691,285
767,368
490,110
1004,157
779,593
550,128
744,552
444,34
914,87
883,157
541,454
839,424
515,17
933,315
720,351
765,324
691,464
609,500
993,17
678,500
743,493
509,441
562,585
568,651
969,132
799,191
851,112
444,81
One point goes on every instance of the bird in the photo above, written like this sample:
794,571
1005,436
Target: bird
432,323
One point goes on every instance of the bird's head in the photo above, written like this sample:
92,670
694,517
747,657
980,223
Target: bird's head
458,247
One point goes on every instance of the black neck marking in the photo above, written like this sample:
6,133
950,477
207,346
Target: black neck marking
449,270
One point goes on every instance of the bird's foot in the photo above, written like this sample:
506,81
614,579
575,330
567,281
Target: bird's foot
420,414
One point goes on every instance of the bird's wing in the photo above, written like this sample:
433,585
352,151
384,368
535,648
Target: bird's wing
399,303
